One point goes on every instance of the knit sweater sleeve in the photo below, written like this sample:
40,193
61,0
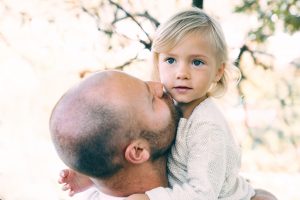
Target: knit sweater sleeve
206,166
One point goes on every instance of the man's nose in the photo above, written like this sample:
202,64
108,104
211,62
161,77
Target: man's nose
156,88
183,71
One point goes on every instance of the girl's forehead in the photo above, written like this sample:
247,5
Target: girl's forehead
193,35
172,41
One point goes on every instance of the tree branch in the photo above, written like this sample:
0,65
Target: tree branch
131,17
198,3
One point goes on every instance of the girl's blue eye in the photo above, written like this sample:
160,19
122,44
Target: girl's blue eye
198,63
170,60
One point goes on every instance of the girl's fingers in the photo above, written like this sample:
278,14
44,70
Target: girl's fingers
71,193
66,187
63,175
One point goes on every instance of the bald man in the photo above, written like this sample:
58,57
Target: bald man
115,129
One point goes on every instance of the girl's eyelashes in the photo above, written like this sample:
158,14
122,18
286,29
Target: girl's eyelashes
198,63
170,60
195,62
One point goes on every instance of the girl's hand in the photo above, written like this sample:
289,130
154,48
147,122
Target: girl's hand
138,197
73,181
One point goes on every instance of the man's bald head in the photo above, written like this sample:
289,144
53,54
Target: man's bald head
83,126
94,122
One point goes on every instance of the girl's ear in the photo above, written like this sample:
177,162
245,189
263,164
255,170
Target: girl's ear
220,72
137,152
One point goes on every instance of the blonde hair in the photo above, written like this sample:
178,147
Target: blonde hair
192,20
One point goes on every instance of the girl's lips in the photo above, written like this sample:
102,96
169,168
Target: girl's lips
182,89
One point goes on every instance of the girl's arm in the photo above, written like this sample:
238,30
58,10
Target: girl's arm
206,166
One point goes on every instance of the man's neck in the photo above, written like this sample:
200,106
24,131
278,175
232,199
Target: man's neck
135,179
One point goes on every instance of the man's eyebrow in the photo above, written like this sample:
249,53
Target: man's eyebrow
147,86
148,89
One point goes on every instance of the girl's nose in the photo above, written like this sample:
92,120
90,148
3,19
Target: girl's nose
156,88
183,72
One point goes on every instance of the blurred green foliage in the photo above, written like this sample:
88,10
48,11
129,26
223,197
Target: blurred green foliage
271,14
263,87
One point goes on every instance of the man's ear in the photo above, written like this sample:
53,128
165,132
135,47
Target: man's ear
137,152
220,72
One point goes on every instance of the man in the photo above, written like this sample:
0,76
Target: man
116,129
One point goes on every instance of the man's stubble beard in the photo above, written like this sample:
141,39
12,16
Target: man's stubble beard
167,134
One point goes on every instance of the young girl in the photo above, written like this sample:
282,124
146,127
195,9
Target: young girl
190,59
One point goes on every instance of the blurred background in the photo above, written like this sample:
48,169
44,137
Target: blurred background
48,46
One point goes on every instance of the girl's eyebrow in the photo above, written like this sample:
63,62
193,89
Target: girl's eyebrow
167,54
199,55
192,55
